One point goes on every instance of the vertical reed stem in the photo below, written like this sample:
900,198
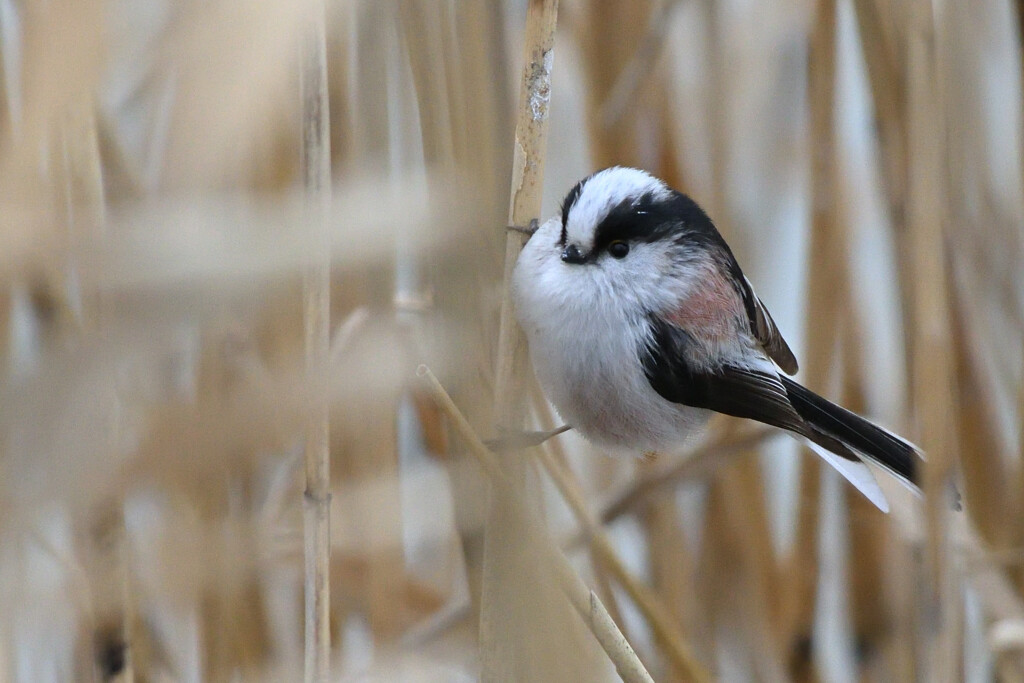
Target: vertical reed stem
527,191
932,359
316,294
826,288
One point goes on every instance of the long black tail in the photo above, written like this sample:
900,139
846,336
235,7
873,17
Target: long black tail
867,439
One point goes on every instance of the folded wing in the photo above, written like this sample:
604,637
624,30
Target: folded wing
760,393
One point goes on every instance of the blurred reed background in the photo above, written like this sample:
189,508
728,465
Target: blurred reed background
861,156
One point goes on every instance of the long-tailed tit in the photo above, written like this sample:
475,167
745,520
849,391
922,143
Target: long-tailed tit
640,323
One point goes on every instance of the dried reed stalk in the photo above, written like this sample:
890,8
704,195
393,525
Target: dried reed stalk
745,509
616,41
932,361
508,642
988,483
525,204
983,233
636,71
424,27
670,566
716,102
584,600
740,554
888,95
316,293
459,71
1018,532
827,280
869,533
546,419
665,630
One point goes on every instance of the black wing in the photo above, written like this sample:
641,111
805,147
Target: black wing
740,392
726,389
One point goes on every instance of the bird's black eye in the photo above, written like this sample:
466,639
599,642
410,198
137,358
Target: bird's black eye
618,249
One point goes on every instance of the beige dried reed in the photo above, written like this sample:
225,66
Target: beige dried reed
584,600
316,296
165,398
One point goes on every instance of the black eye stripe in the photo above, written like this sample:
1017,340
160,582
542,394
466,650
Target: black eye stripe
653,217
631,220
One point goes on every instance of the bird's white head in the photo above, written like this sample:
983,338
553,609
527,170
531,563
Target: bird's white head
614,192
624,241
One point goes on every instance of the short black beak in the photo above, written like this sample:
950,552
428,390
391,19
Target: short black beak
571,254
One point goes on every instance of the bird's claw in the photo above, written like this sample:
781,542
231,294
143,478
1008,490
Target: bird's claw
528,230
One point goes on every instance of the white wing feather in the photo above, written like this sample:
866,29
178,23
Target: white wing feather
855,472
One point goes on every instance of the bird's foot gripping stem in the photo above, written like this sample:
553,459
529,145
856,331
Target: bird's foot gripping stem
527,230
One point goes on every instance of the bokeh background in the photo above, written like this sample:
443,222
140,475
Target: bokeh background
862,157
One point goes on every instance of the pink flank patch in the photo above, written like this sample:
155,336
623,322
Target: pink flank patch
710,312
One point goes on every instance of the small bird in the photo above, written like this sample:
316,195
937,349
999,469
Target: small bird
641,324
